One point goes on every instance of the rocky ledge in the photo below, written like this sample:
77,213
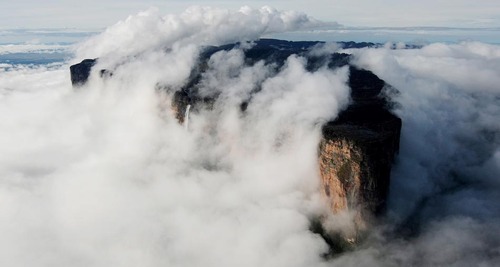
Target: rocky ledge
357,149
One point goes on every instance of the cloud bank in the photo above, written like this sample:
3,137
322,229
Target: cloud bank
150,30
445,187
105,175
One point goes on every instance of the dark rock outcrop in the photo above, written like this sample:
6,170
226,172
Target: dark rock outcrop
80,72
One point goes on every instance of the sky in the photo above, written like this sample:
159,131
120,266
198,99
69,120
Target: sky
359,13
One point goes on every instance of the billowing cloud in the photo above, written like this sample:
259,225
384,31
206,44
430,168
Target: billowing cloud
445,188
199,25
106,176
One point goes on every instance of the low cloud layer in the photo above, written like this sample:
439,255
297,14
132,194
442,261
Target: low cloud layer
106,176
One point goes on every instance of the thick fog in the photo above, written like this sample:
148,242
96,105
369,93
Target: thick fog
445,187
104,175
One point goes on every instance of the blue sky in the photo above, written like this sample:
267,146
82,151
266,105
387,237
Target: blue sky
373,13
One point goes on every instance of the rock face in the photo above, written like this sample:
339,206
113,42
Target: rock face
80,72
357,149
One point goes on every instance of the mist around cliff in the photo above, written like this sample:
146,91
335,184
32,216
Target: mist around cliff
105,176
444,197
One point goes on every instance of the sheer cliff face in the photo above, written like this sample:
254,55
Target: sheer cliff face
341,177
357,151
355,164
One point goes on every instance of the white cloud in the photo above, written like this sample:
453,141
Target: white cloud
105,176
197,25
444,177
32,48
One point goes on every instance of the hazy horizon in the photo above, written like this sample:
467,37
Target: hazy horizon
361,13
403,20
410,35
